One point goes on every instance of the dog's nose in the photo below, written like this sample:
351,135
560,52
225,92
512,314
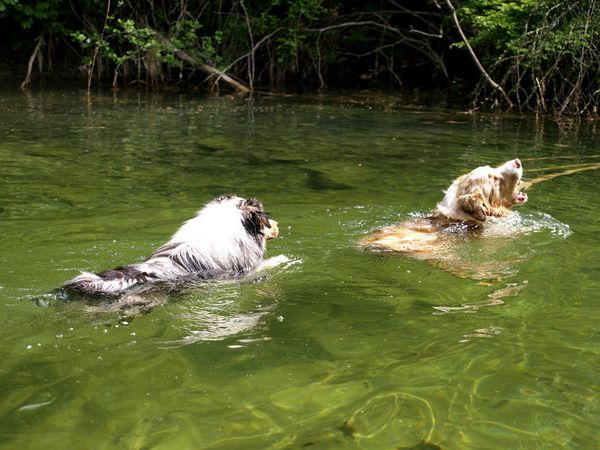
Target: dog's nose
518,163
272,232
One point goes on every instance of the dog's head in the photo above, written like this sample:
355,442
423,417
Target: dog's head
484,192
225,220
256,221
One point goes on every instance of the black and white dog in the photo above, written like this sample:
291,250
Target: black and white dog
226,239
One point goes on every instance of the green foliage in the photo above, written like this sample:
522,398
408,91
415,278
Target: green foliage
123,42
4,4
300,15
507,26
47,14
496,22
543,52
545,48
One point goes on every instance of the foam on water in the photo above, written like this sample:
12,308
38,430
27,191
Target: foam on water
514,223
517,223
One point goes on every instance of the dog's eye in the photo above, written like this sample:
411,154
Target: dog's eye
263,221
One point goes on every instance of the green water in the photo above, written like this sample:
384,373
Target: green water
341,348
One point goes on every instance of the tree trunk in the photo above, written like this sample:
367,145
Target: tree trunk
35,54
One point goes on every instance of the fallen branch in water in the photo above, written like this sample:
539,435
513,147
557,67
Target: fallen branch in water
542,158
527,184
211,71
568,166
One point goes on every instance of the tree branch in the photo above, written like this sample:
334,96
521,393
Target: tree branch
251,60
488,78
207,69
35,54
405,38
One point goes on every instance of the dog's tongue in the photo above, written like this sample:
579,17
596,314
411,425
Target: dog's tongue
521,197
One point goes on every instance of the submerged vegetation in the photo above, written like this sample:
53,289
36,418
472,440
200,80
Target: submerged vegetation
539,55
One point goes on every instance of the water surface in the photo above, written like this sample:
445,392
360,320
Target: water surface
342,348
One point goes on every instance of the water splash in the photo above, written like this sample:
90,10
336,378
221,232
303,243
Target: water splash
495,227
516,223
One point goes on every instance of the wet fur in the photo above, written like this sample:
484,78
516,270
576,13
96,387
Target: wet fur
469,201
484,192
226,239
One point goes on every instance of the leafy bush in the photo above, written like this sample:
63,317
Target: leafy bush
545,52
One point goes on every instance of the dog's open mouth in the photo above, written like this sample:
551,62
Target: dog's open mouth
514,170
520,197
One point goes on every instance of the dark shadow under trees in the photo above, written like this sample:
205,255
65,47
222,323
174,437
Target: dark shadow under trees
541,56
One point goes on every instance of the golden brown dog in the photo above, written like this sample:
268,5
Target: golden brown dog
471,199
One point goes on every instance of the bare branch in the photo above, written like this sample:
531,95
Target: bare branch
253,50
488,78
251,61
36,54
424,33
418,45
97,49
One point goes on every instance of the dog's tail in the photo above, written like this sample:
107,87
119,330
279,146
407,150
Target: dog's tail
109,282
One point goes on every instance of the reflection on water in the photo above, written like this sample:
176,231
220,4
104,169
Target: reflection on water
216,311
222,313
347,349
205,310
495,298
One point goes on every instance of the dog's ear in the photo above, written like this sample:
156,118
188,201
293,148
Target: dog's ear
252,205
476,205
256,221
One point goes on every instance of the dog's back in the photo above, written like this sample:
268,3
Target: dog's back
226,239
